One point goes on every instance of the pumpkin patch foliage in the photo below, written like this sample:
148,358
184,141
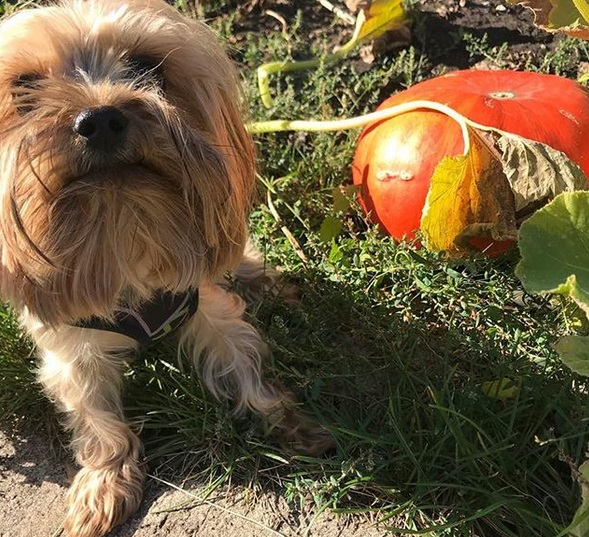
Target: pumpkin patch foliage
554,244
569,16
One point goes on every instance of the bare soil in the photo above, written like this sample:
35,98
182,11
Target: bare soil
34,476
33,485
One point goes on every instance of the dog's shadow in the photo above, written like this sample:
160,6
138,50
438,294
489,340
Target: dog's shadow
350,358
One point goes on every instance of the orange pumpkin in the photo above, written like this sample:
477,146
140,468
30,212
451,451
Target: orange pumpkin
395,158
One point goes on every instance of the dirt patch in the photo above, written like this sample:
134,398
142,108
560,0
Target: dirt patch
34,482
437,27
32,485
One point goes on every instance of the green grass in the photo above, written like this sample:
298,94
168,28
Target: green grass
389,347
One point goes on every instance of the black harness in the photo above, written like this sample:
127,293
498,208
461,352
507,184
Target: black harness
152,320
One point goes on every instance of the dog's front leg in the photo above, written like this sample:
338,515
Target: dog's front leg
82,370
230,354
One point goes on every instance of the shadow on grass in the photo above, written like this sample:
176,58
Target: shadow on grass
397,373
402,390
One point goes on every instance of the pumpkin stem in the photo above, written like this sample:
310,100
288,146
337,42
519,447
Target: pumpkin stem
280,125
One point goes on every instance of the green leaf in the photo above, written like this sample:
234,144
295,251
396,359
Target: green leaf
341,202
335,254
574,352
343,197
554,243
330,228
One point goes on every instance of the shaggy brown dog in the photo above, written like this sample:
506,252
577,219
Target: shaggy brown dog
126,181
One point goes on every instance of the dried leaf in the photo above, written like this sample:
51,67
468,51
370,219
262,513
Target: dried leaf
399,37
568,16
538,172
469,197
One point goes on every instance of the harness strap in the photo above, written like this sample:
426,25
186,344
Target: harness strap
152,320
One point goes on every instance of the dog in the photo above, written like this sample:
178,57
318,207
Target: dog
127,176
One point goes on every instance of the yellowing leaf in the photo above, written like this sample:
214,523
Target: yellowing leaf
469,197
379,17
568,16
500,389
537,172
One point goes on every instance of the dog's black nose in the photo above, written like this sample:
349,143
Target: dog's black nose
103,128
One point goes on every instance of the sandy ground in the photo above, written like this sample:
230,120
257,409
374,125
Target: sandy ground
33,482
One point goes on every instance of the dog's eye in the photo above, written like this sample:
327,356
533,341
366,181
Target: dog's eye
27,81
22,86
146,68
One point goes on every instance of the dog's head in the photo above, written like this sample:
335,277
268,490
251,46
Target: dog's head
124,162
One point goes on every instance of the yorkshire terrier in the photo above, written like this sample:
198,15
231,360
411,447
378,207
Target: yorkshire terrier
127,174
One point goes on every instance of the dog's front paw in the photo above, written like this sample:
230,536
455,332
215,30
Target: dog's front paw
101,498
303,434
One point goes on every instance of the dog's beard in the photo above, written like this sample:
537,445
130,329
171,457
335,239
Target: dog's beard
127,233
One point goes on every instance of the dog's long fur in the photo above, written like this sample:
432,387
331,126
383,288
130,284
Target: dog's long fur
82,230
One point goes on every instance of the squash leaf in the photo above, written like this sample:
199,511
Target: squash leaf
580,524
568,16
554,244
469,196
574,352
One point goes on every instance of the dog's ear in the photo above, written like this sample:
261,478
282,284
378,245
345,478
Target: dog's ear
58,288
205,84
